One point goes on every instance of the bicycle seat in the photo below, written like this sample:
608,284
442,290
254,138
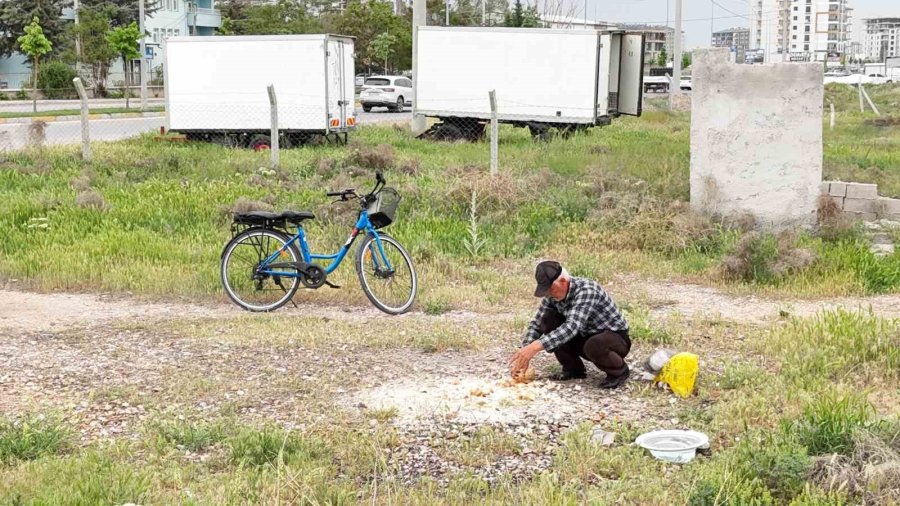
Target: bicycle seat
264,217
296,216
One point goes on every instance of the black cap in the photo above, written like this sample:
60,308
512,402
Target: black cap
545,274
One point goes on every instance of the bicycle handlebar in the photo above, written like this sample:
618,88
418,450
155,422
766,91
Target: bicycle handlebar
351,192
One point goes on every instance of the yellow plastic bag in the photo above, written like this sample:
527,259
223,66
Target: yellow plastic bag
680,373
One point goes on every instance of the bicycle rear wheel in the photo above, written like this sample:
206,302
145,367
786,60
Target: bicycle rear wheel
250,289
392,289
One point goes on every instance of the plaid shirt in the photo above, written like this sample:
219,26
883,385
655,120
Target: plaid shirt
588,310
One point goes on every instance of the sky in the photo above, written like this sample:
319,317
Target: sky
697,14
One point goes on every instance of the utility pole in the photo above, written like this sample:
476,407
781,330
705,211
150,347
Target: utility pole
675,85
77,40
143,49
417,125
447,10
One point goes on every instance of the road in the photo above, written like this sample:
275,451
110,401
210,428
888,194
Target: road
15,136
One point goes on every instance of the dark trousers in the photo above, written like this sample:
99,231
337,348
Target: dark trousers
606,350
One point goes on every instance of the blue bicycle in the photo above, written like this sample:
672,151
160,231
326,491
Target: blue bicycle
263,265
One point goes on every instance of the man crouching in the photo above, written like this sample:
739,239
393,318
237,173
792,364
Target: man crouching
577,319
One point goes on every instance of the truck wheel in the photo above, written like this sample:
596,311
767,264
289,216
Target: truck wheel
260,143
540,133
448,132
400,105
367,108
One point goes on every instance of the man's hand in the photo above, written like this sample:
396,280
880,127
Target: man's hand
520,360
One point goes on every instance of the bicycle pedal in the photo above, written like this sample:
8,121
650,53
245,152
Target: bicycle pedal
332,285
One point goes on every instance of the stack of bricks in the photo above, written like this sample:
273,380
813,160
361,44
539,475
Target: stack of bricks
860,201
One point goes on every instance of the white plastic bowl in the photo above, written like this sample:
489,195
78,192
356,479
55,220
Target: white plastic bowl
676,446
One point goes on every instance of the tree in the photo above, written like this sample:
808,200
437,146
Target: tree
685,60
382,47
663,59
16,15
366,21
121,12
34,44
282,18
96,54
521,16
123,40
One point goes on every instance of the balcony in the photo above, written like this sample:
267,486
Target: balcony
208,18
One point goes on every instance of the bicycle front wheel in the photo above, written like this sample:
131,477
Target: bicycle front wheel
389,278
241,276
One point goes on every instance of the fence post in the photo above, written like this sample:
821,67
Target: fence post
273,103
862,107
85,124
869,100
492,95
832,114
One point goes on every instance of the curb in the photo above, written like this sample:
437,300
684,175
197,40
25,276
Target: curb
52,119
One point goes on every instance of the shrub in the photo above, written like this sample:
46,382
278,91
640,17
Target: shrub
90,199
726,489
833,225
55,80
379,157
765,258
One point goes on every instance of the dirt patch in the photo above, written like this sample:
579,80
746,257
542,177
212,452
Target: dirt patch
25,311
699,301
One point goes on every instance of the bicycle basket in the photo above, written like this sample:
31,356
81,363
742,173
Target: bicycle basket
381,211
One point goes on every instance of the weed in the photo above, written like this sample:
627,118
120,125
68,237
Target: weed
765,258
739,375
187,435
473,243
31,437
90,199
833,224
379,157
726,489
436,305
837,344
829,423
271,447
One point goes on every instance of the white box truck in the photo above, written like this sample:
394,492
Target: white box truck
544,78
216,88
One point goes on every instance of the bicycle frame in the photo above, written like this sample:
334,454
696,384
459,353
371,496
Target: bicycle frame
362,225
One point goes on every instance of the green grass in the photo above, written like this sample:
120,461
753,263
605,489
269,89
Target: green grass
841,345
151,217
75,112
31,437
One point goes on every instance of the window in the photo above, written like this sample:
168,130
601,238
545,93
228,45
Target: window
794,37
156,35
795,18
806,47
796,8
177,32
378,81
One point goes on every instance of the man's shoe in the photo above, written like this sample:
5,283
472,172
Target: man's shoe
568,375
615,381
